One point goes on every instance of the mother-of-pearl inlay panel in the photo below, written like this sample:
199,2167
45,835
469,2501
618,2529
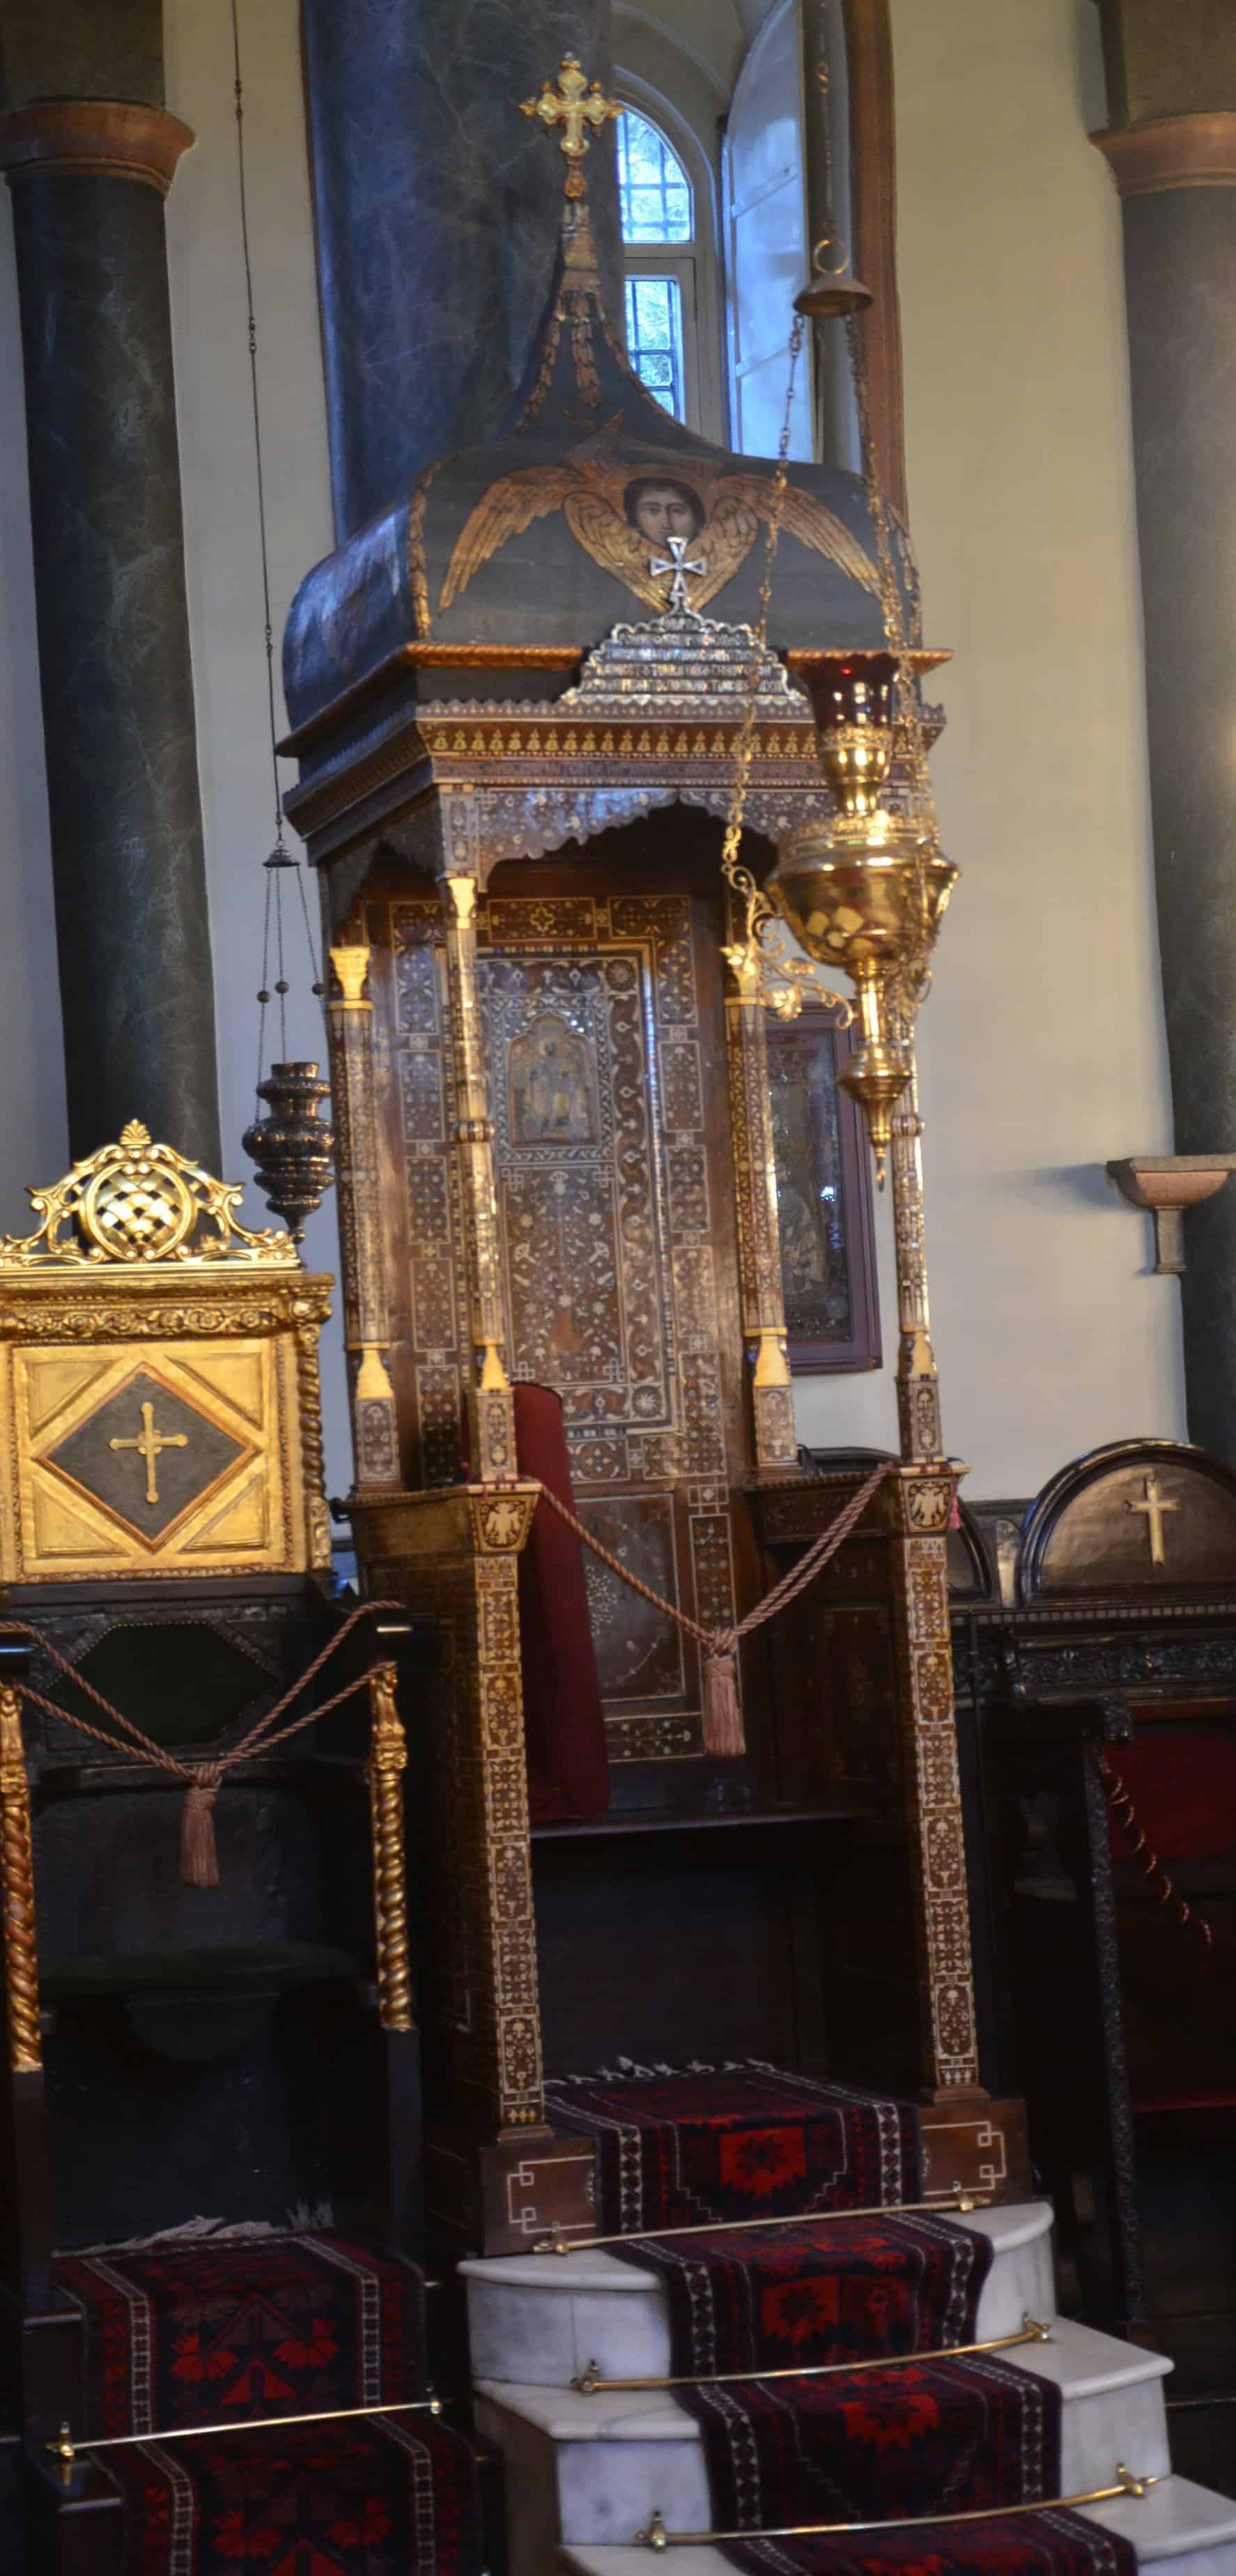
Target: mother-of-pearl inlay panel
608,1229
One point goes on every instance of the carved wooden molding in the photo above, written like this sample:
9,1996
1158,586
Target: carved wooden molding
1196,151
92,136
873,191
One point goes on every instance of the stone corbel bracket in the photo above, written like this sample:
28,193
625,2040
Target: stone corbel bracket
1167,1184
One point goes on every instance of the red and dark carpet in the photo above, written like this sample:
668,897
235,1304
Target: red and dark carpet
934,2437
847,2289
678,2148
394,2494
217,2332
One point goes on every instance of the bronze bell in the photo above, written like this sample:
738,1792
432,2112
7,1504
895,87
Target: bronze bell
292,1148
827,298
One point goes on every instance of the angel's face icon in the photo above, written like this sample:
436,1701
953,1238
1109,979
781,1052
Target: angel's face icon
661,510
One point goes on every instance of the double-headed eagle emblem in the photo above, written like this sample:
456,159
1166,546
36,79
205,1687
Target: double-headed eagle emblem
623,510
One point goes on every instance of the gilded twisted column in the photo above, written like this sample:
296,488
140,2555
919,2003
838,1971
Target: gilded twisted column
375,1433
759,1237
918,1385
388,1757
21,1956
308,1317
491,1419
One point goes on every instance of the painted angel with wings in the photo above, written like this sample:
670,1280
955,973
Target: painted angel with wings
622,514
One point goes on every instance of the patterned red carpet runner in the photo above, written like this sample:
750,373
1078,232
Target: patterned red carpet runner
254,2329
936,2437
395,2494
678,2148
212,2333
851,2289
1035,2544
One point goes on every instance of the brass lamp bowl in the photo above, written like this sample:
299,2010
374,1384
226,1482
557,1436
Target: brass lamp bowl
864,900
868,896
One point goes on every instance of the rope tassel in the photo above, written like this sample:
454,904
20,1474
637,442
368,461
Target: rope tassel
722,1714
723,1732
199,1854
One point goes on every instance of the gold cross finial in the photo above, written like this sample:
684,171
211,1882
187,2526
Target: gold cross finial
574,106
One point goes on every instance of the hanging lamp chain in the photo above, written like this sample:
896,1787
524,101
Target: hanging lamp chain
291,1146
782,980
280,858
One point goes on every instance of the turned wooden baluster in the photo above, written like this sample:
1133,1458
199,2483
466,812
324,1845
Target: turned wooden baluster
21,1957
388,1756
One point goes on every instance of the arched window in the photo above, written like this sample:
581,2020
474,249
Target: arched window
657,207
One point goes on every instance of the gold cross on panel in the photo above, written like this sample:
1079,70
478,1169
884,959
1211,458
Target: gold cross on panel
1154,1507
150,1445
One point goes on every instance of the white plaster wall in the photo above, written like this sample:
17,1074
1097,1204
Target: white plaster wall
1042,1044
221,526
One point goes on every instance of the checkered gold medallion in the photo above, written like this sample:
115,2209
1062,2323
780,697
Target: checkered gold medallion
158,1381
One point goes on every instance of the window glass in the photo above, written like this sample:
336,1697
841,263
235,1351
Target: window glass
654,338
654,192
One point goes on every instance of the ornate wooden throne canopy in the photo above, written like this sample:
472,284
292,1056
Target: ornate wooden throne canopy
552,1111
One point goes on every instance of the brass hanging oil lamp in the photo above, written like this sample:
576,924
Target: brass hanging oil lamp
865,889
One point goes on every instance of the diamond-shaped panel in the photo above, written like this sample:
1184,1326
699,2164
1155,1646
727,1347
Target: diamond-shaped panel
146,1455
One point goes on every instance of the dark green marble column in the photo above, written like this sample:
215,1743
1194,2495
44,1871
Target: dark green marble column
437,208
1177,177
88,179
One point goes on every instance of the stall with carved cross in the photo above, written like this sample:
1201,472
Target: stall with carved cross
523,715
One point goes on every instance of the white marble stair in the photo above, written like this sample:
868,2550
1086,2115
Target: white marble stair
543,2318
585,2473
1177,2530
601,2466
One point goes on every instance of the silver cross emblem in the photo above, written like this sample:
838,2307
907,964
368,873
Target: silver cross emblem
675,561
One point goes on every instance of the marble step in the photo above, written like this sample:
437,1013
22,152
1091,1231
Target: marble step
1177,2530
595,2469
543,2318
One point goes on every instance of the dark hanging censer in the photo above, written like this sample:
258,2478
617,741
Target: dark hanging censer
292,1148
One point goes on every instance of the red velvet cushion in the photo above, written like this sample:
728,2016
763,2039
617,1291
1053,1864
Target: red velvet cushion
1182,1780
563,1721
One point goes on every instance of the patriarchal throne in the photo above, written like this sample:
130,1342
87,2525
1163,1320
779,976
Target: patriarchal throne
607,741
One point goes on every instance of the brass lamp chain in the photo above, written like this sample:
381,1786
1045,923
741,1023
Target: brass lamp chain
779,982
280,858
738,877
291,1148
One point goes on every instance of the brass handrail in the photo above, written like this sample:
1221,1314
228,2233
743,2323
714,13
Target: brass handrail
590,2384
956,2199
1128,2484
67,2449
